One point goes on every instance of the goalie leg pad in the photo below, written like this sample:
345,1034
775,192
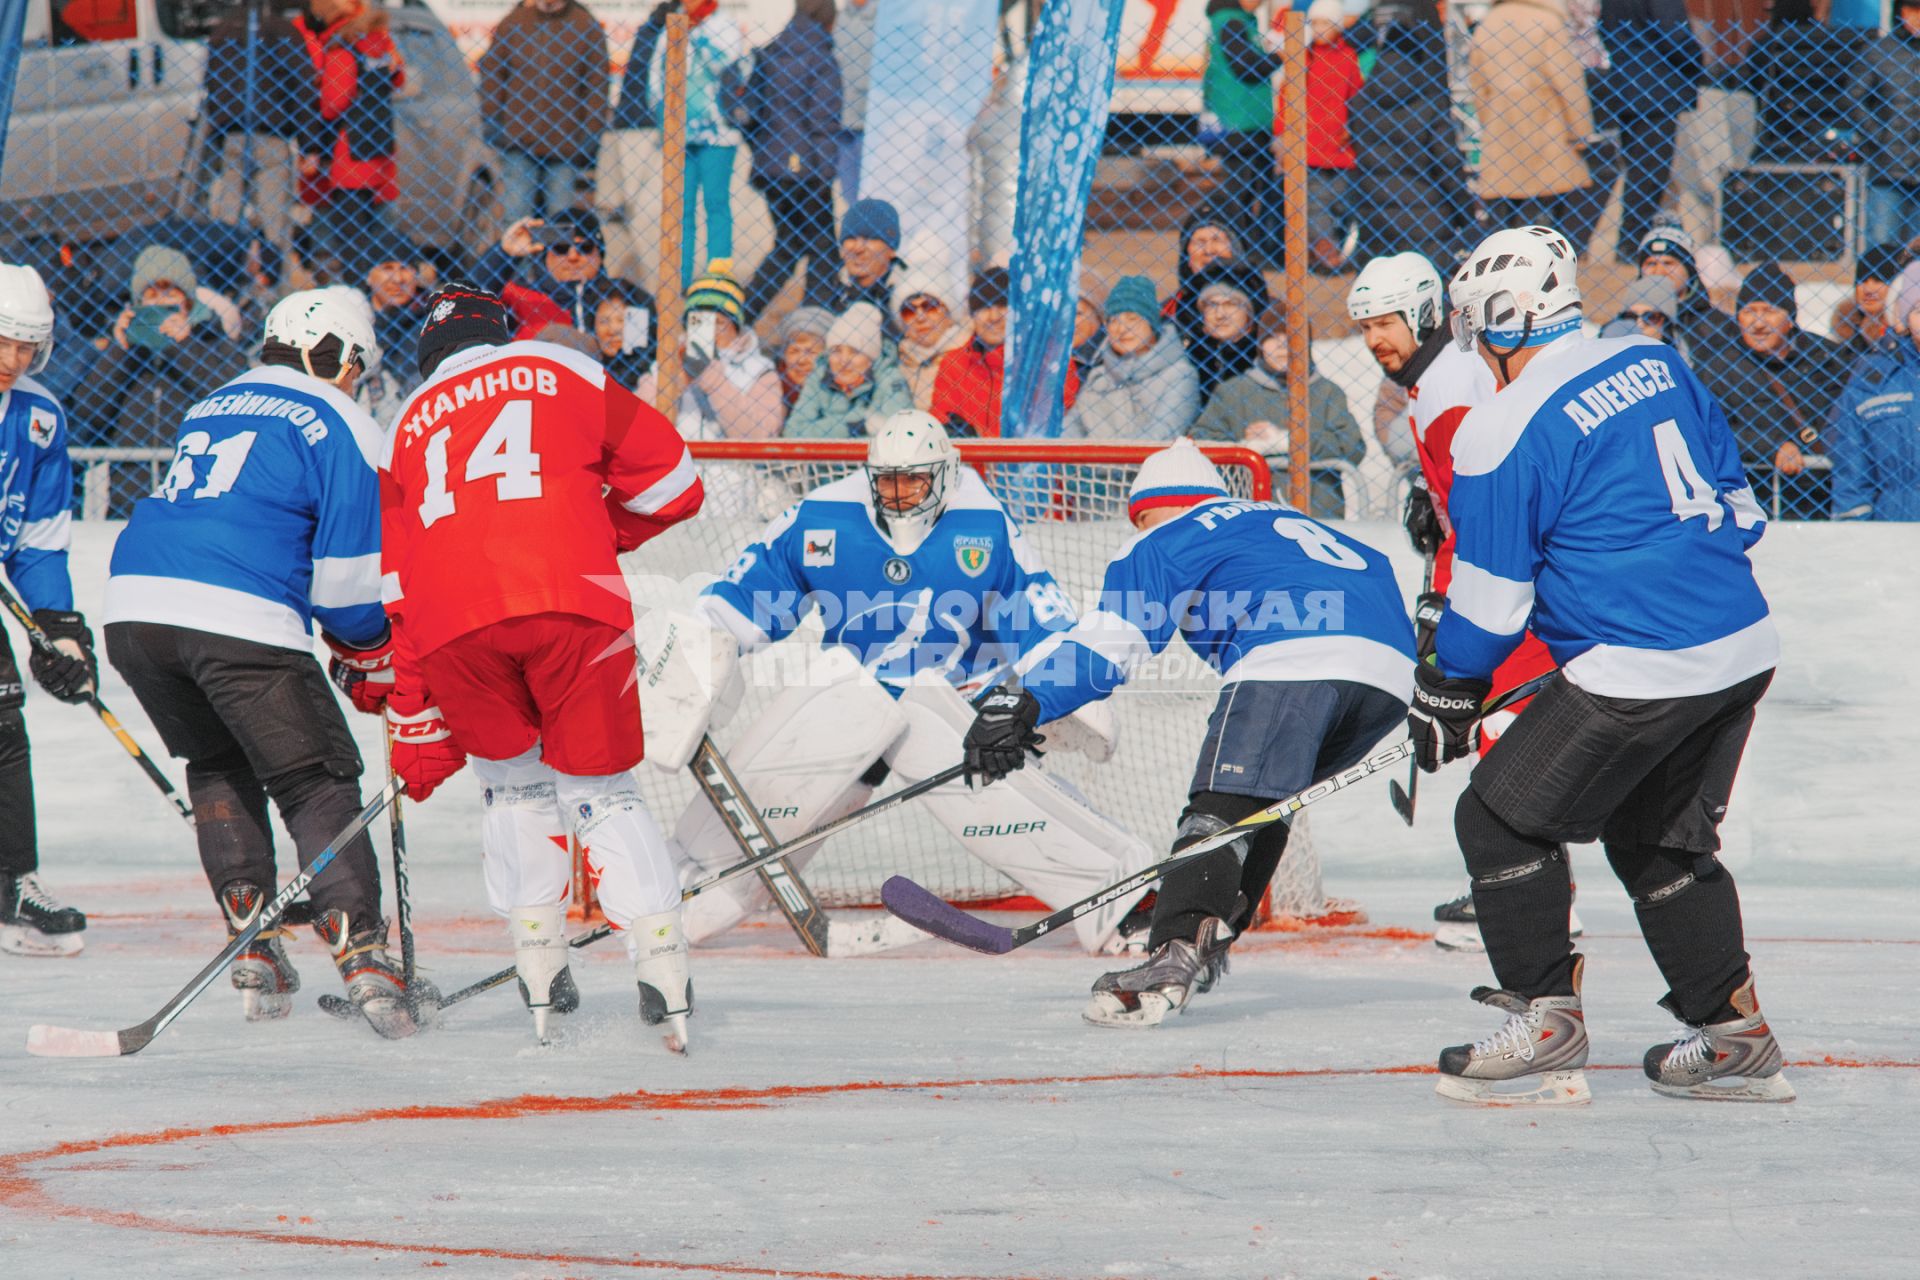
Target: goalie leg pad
523,840
626,853
1031,827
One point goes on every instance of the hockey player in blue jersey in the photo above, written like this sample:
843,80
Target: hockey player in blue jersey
1598,498
1307,627
927,593
36,488
267,522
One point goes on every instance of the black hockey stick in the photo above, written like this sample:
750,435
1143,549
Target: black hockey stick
750,831
1403,799
67,1042
922,908
824,832
39,639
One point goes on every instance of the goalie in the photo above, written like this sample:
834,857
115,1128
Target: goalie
927,593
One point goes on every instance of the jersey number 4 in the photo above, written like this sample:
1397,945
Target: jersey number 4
1692,495
505,452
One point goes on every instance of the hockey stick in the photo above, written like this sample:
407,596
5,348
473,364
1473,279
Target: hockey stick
38,638
1403,800
924,909
738,869
750,831
68,1042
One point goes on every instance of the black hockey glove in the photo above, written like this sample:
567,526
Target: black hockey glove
1421,520
1428,609
68,671
1002,734
1444,712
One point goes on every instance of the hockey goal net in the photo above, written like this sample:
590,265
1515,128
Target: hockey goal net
1071,502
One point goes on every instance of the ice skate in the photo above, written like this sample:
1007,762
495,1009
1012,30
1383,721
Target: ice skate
374,984
262,973
1733,1061
34,923
540,955
666,984
1541,1051
1176,972
1457,928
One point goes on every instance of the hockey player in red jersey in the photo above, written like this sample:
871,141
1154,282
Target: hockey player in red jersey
512,477
1397,300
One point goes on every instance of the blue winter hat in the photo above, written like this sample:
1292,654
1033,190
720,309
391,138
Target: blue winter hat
1135,296
872,220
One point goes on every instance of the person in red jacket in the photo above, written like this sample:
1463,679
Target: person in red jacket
512,479
967,387
347,172
1333,78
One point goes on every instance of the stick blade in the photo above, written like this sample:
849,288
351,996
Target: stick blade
44,1041
1401,801
925,910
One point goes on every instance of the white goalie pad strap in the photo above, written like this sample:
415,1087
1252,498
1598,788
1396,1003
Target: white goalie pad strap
625,852
1093,731
523,841
1031,827
690,682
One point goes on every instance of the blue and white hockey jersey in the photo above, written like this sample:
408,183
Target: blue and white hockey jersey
1259,591
267,521
967,602
36,496
1599,498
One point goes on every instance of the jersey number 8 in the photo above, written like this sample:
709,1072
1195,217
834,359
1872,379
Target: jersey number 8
505,451
1318,543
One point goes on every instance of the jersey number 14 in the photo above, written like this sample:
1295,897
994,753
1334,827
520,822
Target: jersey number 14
505,451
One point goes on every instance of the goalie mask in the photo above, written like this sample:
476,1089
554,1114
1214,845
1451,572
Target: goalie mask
913,471
26,312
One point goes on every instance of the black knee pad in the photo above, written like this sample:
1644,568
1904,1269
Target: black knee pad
19,839
1497,856
1654,876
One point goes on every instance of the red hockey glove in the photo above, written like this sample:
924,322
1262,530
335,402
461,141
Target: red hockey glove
364,675
424,752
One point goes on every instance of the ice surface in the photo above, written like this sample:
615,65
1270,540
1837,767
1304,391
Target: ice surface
933,1112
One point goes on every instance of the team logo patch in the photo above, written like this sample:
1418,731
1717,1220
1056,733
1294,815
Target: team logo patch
973,555
40,427
586,812
442,311
896,570
817,552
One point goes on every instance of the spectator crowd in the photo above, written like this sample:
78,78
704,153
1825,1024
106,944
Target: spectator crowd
1578,109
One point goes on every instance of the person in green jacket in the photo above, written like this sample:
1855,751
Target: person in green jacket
859,380
1252,409
1237,90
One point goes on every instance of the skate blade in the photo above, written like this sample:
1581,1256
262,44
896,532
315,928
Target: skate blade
264,1006
1773,1088
1105,1009
1574,928
1549,1089
388,1016
68,1042
673,1034
871,937
541,1022
1453,936
19,940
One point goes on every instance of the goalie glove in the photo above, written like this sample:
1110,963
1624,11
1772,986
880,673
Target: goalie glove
1002,734
364,675
424,752
68,671
1444,712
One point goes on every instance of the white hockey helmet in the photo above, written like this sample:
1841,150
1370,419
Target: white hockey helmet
909,442
1177,476
1517,287
306,319
1399,284
26,311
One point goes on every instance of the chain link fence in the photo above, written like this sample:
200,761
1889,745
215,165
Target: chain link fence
723,187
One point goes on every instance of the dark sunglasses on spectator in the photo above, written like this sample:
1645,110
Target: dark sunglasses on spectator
575,248
1648,317
919,306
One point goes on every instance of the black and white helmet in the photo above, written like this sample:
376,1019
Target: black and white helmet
26,311
1399,284
1518,286
910,442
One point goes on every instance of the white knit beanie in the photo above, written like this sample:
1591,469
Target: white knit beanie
1177,476
859,327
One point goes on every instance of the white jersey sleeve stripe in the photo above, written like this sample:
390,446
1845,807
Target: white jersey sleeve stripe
663,492
52,534
721,614
1113,637
1499,606
341,582
1747,511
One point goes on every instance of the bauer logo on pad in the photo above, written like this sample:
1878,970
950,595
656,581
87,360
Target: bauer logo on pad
819,549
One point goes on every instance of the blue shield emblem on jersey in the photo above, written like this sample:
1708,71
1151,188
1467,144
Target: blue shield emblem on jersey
973,555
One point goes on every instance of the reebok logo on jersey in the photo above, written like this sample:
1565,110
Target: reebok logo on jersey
973,555
817,551
1615,393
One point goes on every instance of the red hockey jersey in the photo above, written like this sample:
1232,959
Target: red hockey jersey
510,482
1452,384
